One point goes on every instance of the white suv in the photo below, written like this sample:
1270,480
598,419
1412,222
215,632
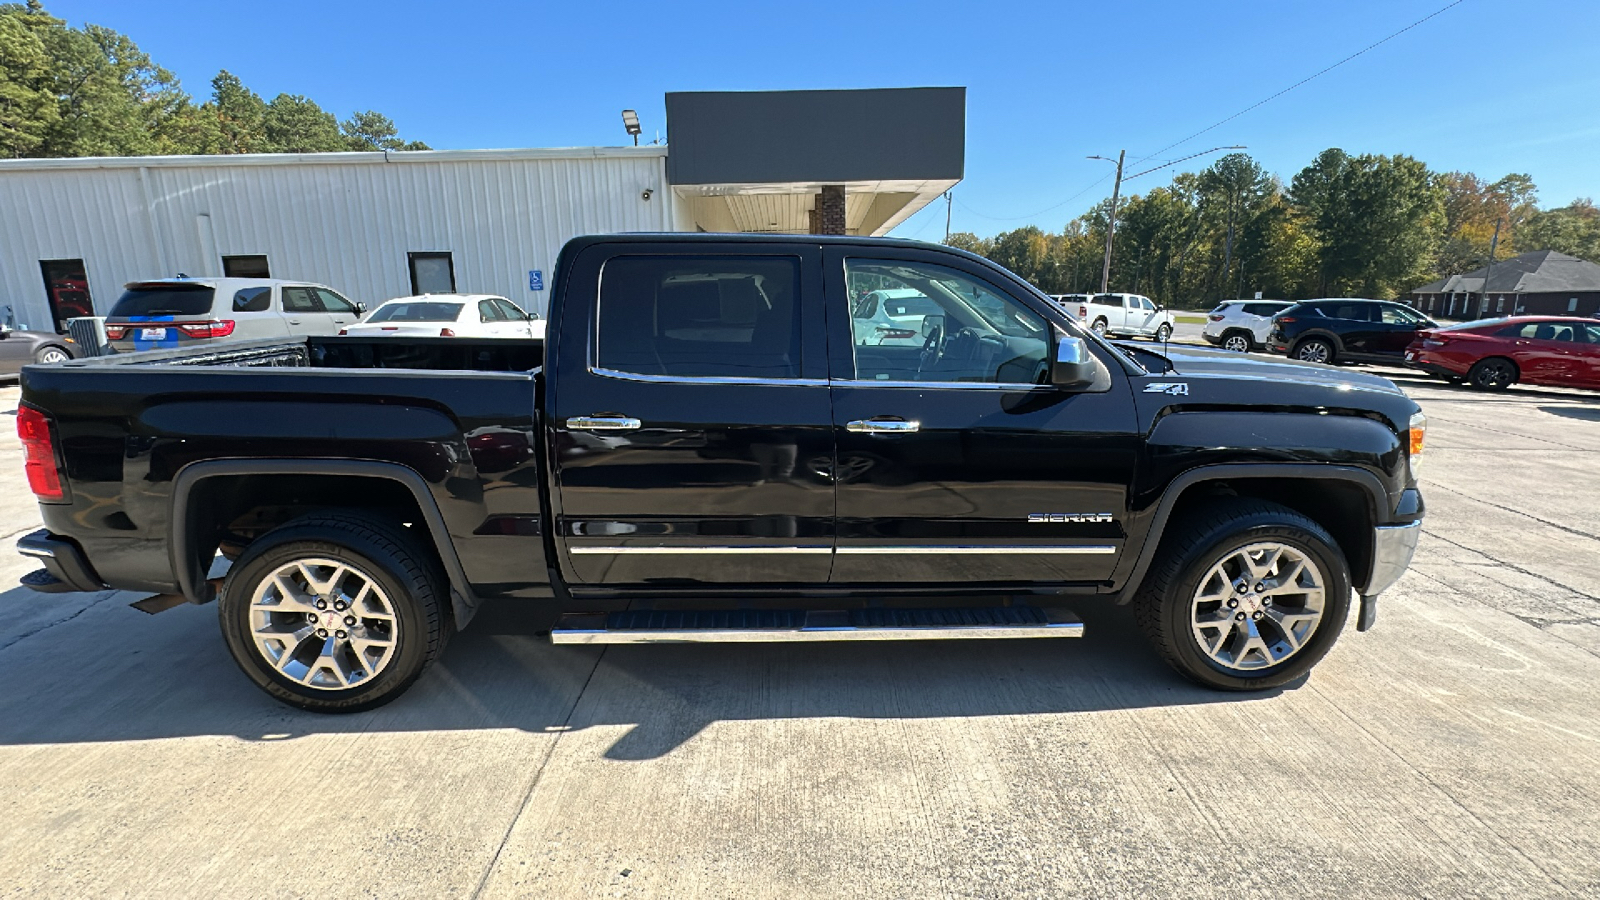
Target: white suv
1242,325
178,312
1125,315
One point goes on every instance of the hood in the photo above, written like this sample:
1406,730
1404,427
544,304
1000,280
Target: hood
1202,361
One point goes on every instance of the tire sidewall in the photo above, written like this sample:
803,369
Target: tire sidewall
1326,360
259,562
1176,612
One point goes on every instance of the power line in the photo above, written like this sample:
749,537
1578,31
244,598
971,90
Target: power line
1307,79
1087,188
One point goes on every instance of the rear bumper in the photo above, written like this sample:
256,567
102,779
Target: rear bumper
62,559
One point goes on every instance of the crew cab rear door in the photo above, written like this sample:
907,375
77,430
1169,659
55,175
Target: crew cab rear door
955,464
689,421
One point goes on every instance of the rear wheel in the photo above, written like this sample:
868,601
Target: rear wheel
334,612
1245,595
1237,341
1317,350
1493,374
1099,326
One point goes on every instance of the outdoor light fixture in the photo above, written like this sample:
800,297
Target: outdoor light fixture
630,121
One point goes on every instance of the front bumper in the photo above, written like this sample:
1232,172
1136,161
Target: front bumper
62,559
1392,549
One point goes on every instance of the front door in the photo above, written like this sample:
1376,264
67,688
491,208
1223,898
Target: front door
956,464
689,420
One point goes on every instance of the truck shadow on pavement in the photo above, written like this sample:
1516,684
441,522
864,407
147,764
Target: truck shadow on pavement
109,673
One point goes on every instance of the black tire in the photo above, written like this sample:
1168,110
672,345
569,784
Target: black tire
1493,374
1316,349
51,353
1234,336
1099,327
1164,609
1163,333
407,574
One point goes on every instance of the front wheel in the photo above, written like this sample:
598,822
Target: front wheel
334,613
1163,333
51,355
1493,374
1244,595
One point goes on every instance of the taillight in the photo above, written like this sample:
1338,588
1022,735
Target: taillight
344,331
445,332
1216,318
39,454
116,333
1284,320
1083,312
213,329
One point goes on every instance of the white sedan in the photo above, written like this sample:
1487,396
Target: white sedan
449,315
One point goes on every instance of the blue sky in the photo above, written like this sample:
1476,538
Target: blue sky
1487,86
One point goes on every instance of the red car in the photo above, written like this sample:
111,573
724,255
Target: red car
1493,354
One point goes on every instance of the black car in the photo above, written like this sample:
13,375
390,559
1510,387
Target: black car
1346,330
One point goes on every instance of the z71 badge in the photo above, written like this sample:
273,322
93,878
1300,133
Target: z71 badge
1175,388
1070,517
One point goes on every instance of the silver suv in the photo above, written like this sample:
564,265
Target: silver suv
1242,325
177,312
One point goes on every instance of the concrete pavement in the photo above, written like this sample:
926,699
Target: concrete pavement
1453,751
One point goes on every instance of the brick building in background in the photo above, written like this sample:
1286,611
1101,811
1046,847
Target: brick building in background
1540,283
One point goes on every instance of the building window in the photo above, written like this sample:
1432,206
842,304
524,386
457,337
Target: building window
1501,307
66,287
432,273
1572,305
245,267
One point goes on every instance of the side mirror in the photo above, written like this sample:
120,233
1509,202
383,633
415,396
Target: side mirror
1073,368
361,308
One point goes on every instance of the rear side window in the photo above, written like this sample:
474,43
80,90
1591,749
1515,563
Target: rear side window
255,299
1223,307
736,317
164,300
420,311
1264,309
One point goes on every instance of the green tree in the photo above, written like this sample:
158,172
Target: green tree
1377,221
296,124
241,116
27,104
1573,229
372,130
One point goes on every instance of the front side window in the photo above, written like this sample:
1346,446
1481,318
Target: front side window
488,312
334,303
300,300
508,310
706,317
1397,315
1543,331
952,327
1145,304
1593,332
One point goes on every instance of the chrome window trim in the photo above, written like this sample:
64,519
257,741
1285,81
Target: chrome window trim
679,551
705,379
944,385
997,549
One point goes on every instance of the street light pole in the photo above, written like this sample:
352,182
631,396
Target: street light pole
1111,221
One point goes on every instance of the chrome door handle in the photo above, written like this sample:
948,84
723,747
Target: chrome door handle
602,423
882,426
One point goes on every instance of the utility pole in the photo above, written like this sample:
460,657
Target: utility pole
1111,222
1483,296
947,200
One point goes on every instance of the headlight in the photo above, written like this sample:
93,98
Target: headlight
1418,431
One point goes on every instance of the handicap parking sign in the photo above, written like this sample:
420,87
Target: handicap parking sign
535,280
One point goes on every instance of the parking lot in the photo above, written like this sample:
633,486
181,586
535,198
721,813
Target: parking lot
1452,751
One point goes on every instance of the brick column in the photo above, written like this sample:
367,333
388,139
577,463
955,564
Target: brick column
827,216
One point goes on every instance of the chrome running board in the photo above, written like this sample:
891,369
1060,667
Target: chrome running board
754,626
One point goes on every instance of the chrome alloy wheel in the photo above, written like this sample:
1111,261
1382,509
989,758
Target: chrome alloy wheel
53,355
1258,606
1312,351
323,623
1238,343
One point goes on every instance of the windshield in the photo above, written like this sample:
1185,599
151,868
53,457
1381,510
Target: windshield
163,300
419,311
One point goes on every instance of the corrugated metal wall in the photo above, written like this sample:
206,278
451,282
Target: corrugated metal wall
345,220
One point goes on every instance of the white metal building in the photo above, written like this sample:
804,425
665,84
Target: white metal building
380,225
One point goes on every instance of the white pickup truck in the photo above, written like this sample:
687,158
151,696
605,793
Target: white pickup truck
1122,315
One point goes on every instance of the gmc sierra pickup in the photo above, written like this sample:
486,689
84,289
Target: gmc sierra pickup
706,448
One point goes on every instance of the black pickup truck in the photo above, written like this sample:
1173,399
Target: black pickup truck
719,440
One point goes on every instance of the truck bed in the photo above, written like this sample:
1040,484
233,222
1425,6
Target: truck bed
340,352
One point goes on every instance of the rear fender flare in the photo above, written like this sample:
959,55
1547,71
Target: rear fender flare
190,572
